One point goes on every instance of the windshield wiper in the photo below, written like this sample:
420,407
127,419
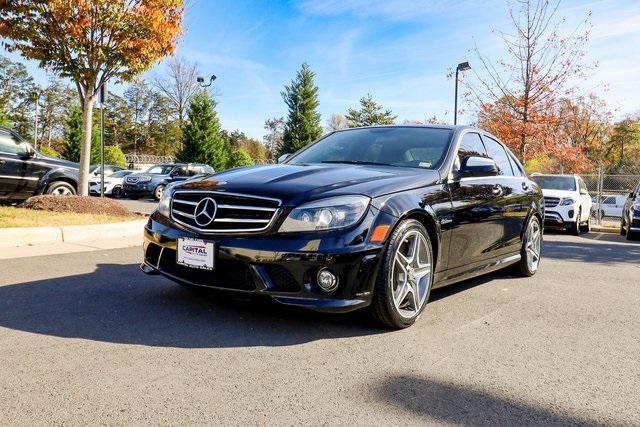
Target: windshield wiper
357,162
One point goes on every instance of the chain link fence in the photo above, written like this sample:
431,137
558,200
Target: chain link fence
609,193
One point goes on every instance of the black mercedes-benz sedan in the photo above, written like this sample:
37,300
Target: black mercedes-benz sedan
368,217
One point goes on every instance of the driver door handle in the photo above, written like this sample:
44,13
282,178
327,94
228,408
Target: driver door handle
525,186
2,162
497,190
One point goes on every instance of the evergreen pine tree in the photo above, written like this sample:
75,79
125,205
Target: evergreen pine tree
303,121
369,114
202,141
73,138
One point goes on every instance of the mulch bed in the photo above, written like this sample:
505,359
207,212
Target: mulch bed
77,204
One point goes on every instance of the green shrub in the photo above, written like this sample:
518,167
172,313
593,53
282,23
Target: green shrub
238,158
114,156
48,151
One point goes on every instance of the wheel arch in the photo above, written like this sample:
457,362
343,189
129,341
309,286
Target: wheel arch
428,221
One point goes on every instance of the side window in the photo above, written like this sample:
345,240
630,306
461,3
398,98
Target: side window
515,166
610,201
181,171
497,153
9,145
471,145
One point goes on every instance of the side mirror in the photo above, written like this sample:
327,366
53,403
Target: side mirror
478,166
584,192
30,153
283,157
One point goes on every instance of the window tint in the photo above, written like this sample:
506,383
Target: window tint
181,171
471,145
610,201
393,146
497,153
515,165
10,145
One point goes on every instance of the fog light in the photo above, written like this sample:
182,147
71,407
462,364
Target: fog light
327,281
571,214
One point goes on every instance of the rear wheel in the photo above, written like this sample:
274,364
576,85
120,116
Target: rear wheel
61,188
405,277
531,247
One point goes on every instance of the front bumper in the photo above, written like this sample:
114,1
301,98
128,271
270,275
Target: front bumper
560,216
281,267
140,189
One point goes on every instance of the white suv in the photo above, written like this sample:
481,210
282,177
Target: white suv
567,203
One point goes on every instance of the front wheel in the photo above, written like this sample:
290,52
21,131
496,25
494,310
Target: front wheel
61,188
405,277
117,192
531,246
574,228
159,191
586,227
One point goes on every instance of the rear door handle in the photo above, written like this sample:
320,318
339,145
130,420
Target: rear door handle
497,190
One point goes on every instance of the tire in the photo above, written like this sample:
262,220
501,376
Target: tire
408,277
117,192
530,245
586,227
622,230
61,188
575,227
157,193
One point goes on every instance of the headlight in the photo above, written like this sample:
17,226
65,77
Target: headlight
567,201
636,209
326,214
164,205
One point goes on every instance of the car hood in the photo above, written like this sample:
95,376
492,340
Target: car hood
295,183
559,193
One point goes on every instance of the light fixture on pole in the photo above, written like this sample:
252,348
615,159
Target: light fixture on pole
463,66
201,81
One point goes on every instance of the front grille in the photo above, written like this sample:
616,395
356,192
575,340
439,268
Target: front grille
228,274
551,202
233,213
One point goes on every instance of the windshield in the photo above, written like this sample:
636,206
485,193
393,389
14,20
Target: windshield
120,174
160,169
567,183
413,147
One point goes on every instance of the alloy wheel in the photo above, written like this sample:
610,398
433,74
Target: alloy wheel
61,191
411,274
534,240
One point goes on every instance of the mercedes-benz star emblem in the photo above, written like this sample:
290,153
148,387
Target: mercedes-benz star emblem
205,211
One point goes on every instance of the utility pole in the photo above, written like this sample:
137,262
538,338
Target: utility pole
35,122
622,150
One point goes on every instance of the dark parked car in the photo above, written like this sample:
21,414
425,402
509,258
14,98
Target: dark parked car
24,172
631,215
374,216
153,181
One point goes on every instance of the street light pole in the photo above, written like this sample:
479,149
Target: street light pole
35,122
463,66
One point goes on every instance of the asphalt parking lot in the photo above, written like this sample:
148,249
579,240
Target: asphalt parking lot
89,339
143,206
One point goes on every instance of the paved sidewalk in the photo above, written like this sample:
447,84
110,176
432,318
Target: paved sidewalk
70,247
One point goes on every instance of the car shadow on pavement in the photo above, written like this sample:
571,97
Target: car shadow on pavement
449,403
119,304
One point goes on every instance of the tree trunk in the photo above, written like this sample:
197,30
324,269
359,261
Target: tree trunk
85,150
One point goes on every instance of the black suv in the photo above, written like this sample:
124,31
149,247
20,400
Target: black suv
374,216
631,215
24,172
153,181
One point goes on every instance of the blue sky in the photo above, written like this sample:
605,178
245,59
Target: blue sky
398,50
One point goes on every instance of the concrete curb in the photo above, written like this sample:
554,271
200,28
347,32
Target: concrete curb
605,229
25,236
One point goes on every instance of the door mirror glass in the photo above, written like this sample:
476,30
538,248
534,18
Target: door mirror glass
29,152
478,166
583,191
283,157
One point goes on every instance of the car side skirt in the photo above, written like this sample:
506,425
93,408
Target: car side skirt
456,275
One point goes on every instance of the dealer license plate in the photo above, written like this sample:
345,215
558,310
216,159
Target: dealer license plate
196,253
